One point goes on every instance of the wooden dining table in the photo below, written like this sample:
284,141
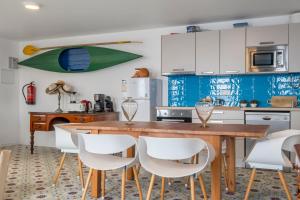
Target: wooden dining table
215,134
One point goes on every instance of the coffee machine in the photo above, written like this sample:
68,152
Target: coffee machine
99,105
103,103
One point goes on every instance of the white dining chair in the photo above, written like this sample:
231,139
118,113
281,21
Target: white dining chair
4,163
98,153
268,153
68,144
159,156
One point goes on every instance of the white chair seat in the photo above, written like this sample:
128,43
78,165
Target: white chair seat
106,162
170,169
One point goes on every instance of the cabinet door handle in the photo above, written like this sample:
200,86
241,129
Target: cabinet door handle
218,112
232,71
216,121
178,69
207,72
266,43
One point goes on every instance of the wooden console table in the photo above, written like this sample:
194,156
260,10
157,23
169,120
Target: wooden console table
44,121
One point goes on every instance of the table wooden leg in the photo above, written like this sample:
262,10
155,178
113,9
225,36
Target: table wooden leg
31,142
130,154
96,184
216,168
230,160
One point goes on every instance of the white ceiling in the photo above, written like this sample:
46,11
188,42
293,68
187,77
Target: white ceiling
76,17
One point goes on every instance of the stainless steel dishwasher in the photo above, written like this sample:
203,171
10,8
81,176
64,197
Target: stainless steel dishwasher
278,121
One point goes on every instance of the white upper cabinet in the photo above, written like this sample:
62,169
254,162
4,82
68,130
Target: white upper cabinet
267,35
294,47
178,54
207,53
232,51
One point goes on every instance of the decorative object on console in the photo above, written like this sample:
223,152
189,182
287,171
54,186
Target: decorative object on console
58,88
31,93
86,106
141,73
204,111
78,59
29,50
129,108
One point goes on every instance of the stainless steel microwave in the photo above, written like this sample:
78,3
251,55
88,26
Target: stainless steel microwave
267,59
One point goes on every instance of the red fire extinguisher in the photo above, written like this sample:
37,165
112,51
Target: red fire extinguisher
31,93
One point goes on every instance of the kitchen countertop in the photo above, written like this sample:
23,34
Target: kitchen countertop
232,108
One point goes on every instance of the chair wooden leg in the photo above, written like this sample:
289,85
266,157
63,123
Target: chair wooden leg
202,185
192,183
225,171
285,186
138,168
250,184
88,180
62,160
80,172
123,184
150,187
103,175
162,192
138,185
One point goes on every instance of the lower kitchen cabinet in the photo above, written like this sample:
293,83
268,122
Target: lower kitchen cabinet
228,117
295,119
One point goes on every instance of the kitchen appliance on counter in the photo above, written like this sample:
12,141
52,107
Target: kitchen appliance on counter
99,104
147,92
267,58
277,121
283,101
173,115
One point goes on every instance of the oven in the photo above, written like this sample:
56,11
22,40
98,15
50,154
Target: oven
174,115
267,59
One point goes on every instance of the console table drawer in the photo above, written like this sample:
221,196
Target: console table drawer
82,119
38,118
39,126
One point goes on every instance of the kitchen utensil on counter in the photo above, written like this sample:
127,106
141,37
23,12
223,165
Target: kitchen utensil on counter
254,103
192,29
243,103
204,111
219,102
283,101
86,105
129,108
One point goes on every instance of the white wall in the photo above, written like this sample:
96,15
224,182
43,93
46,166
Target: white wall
9,100
105,81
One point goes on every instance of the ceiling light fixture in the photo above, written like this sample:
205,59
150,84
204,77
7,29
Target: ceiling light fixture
31,5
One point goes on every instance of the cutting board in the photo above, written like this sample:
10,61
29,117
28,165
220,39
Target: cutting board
283,101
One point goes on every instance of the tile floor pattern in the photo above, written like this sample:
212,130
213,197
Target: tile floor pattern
30,177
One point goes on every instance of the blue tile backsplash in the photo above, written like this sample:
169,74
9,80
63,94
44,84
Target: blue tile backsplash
186,90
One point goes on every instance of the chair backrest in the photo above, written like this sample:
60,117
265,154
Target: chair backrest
105,143
268,153
4,163
173,148
66,138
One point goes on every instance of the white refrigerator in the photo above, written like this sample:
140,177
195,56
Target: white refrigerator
147,92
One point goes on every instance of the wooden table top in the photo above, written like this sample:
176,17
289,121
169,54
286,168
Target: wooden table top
234,130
